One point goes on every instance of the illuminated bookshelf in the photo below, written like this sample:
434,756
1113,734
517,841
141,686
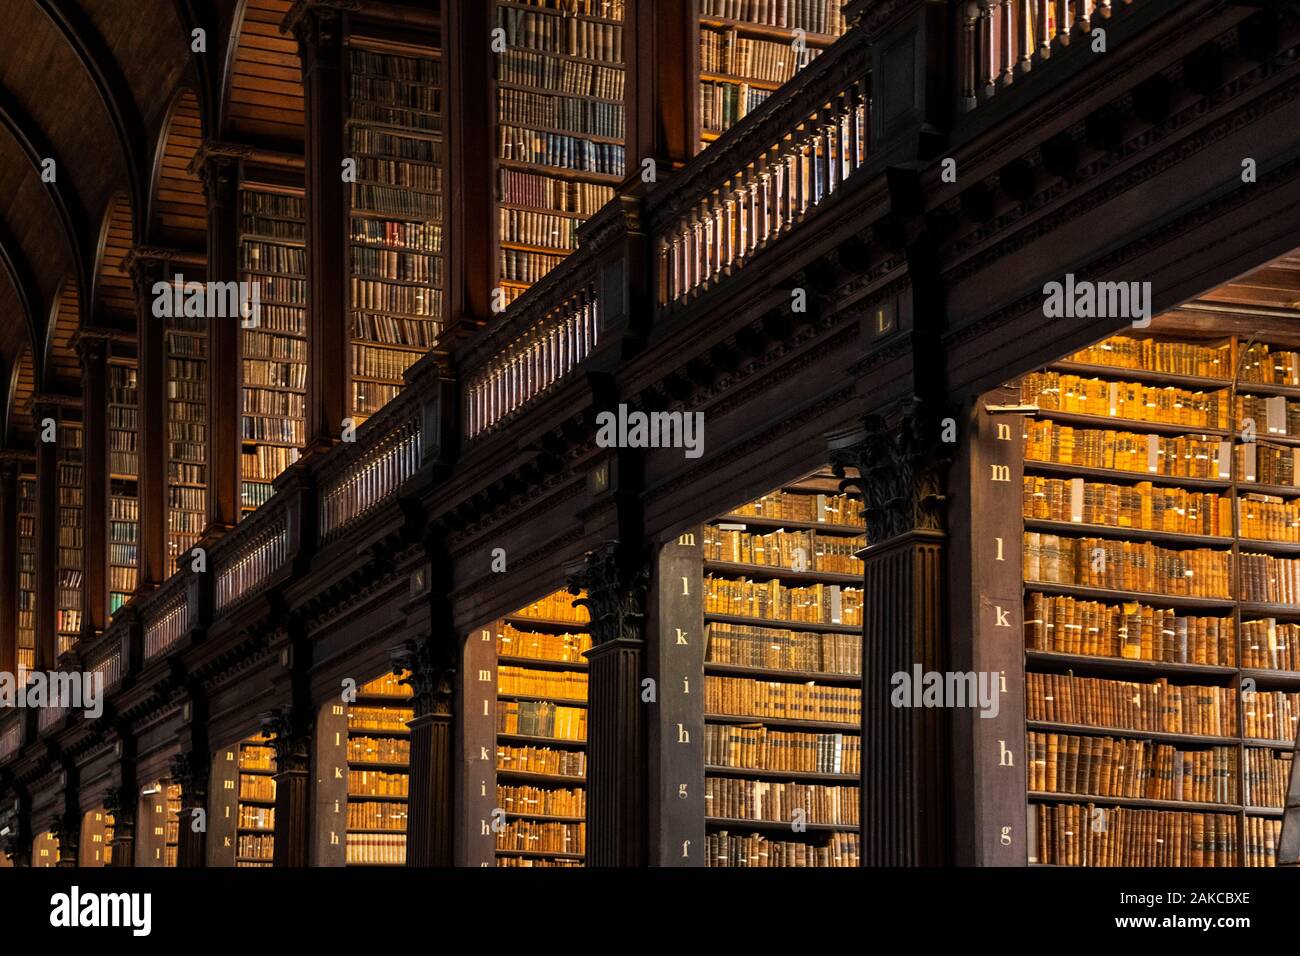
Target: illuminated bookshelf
185,340
378,762
71,541
255,823
26,597
123,481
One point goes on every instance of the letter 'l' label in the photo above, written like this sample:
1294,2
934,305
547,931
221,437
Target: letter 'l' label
999,541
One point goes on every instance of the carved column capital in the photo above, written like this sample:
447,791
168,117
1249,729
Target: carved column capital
190,769
901,464
430,676
290,731
119,803
616,584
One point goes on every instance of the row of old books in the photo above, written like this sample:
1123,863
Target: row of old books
256,787
1267,415
394,329
374,295
267,401
567,113
1143,506
568,647
778,649
381,363
1269,580
283,431
253,846
284,375
529,759
420,236
562,685
569,35
1132,631
398,266
1089,835
534,801
793,506
1126,565
516,266
724,849
538,229
558,606
537,837
379,718
417,175
796,550
256,818
396,201
525,145
773,601
537,861
1133,705
541,719
762,748
753,698
1270,645
726,51
731,798
1268,518
824,17
377,783
376,849
540,71
1152,354
521,188
1110,767
1267,776
1265,365
363,749
724,104
1268,464
1134,401
374,815
261,210
256,758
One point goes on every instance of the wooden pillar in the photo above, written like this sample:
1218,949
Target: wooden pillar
67,824
147,269
431,675
190,769
291,729
47,532
220,175
319,31
17,843
662,99
615,582
906,752
94,388
121,802
471,219
8,565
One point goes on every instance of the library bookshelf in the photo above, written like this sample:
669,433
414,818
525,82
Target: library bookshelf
560,132
25,542
255,822
96,846
186,357
123,478
762,718
748,50
378,772
273,346
541,739
1161,518
70,560
395,134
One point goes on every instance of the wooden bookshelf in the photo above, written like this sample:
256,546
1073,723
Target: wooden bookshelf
255,808
781,719
26,596
45,850
378,761
748,50
1110,478
185,353
561,128
541,742
396,221
96,848
123,481
158,828
70,563
273,364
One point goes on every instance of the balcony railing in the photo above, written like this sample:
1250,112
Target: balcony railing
1000,39
168,621
47,717
373,475
779,164
256,557
543,354
11,737
108,664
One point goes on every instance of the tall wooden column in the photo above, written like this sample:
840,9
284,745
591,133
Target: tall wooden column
17,843
8,564
906,753
219,172
291,728
47,533
430,672
662,60
94,348
615,582
319,31
471,219
67,824
121,803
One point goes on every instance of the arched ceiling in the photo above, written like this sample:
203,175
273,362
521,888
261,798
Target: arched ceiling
91,84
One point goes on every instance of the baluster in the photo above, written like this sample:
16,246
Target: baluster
1042,29
970,68
1007,44
989,59
717,262
707,236
1103,9
791,185
1081,21
843,155
762,200
854,130
1063,24
1025,33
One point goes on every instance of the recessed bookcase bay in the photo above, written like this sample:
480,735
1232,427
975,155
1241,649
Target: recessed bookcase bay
760,677
1161,565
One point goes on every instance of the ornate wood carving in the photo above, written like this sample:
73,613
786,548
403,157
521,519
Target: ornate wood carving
616,593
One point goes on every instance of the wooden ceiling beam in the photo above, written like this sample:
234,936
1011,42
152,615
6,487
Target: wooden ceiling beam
26,288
